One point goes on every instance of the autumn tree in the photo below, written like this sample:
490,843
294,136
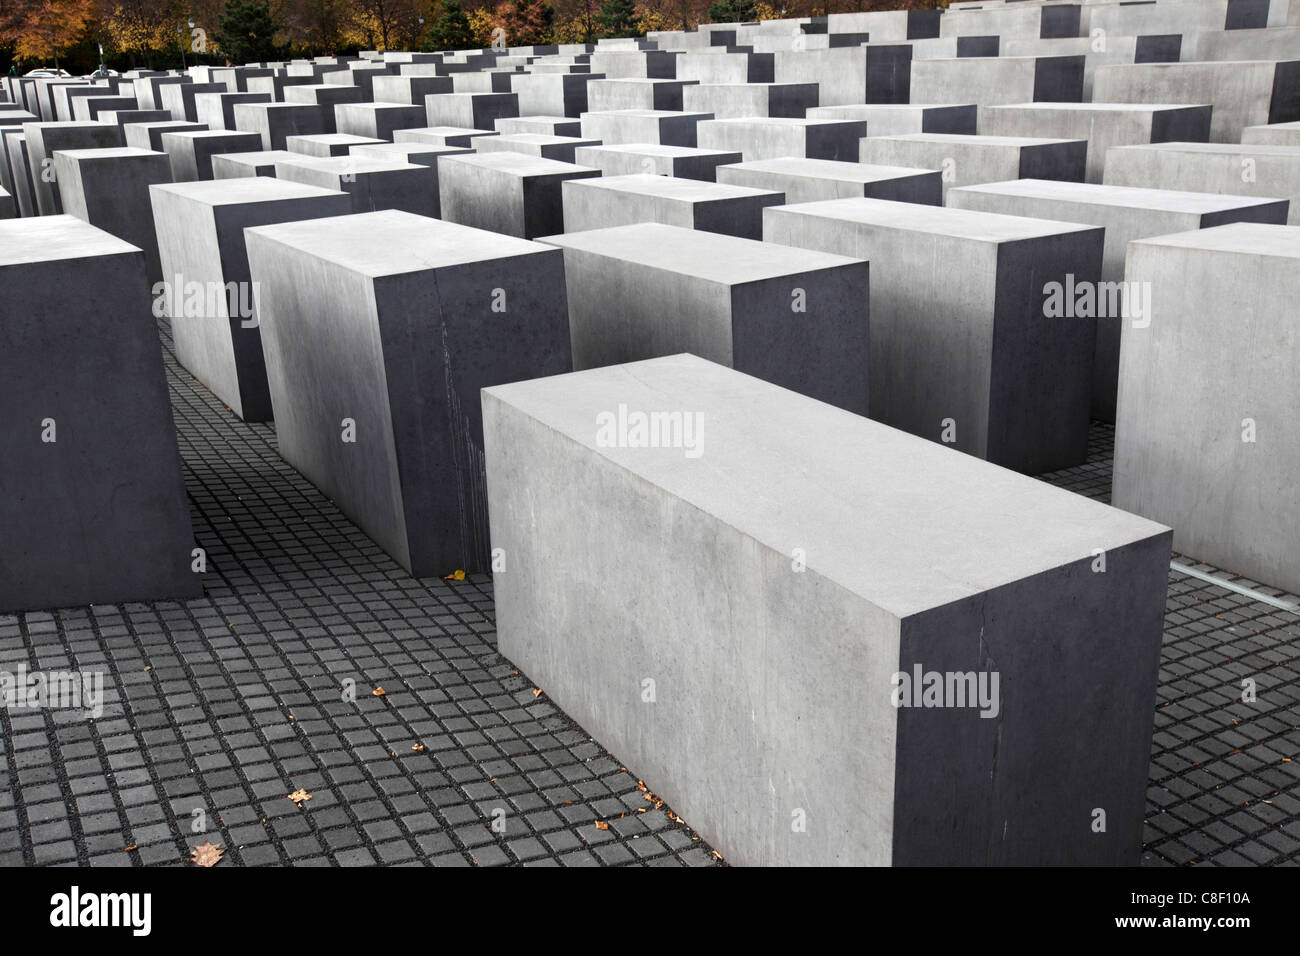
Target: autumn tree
246,31
38,29
528,22
618,19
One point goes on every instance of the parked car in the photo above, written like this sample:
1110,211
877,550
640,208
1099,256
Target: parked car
49,73
101,74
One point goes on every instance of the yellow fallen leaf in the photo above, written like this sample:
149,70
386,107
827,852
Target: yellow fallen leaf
602,825
205,854
418,748
299,796
457,575
379,692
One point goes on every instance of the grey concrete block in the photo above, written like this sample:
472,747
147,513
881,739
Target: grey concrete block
178,98
793,317
442,136
377,120
208,292
109,188
605,201
549,125
395,322
469,110
894,119
662,127
239,165
410,90
149,135
1126,213
147,88
738,100
1276,134
15,143
276,122
508,193
217,110
634,94
746,729
1206,434
1102,125
1271,172
423,154
535,144
372,185
191,152
871,73
967,160
94,506
44,139
325,145
811,180
986,82
560,94
92,108
774,137
683,162
962,348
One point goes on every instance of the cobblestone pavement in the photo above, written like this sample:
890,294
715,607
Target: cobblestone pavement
217,708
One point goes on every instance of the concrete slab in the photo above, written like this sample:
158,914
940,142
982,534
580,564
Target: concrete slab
508,193
894,119
810,180
44,139
606,201
191,152
683,162
774,137
373,185
967,160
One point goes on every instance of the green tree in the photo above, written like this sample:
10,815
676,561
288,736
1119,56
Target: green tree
617,18
733,11
451,31
246,31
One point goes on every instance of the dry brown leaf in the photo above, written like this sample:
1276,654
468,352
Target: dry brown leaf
300,796
205,854
418,748
457,575
717,854
536,692
602,825
379,692
128,849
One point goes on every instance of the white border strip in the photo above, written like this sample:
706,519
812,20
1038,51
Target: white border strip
1253,595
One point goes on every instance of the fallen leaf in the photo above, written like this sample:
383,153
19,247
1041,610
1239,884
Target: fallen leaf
602,825
379,692
418,748
717,854
205,854
536,692
128,849
299,796
457,575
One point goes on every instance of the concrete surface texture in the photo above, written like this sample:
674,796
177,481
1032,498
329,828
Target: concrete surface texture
596,203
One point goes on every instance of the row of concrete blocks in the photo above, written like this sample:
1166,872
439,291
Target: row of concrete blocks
380,330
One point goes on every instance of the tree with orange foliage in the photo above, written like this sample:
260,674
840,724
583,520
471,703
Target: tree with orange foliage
38,29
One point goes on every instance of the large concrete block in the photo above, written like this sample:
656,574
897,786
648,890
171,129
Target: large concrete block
535,144
683,162
423,154
109,188
92,108
147,88
550,125
663,127
966,160
1103,51
275,86
469,110
741,68
1207,435
325,145
149,135
736,100
789,316
1272,172
377,120
239,165
65,97
687,203
987,82
326,96
217,110
394,323
894,119
8,210
559,94
604,96
44,139
15,143
410,90
508,193
442,136
1276,134
208,292
811,180
641,64
373,185
749,731
191,152
91,497
1014,20
871,73
178,98
1102,125
276,122
963,350
1126,213
1244,93
773,137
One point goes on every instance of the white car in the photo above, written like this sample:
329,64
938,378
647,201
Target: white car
49,73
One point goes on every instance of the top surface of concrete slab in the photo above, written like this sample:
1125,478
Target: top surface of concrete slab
711,256
1095,107
940,220
782,468
110,152
520,164
671,187
960,139
1250,238
1138,197
392,242
830,169
50,238
245,189
1251,149
659,149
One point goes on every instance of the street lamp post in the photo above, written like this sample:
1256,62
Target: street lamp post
180,35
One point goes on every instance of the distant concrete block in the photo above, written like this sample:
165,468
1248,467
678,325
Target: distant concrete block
377,120
324,145
963,350
549,125
1207,435
558,94
1126,213
1271,172
410,90
634,94
149,135
92,108
208,291
389,324
870,73
15,143
738,100
683,162
535,144
896,119
1102,125
109,189
663,127
191,152
746,729
217,110
373,186
44,139
469,110
606,201
239,165
442,136
94,508
508,193
178,99
967,160
774,137
811,180
276,122
1008,79
1276,134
